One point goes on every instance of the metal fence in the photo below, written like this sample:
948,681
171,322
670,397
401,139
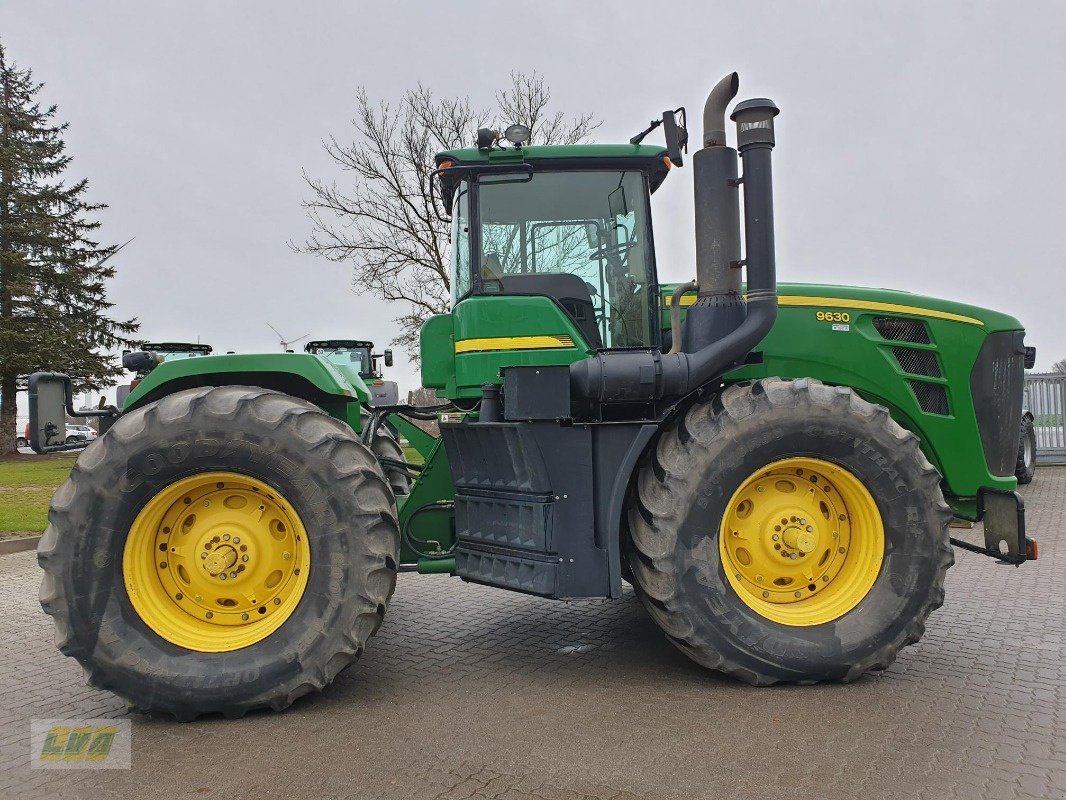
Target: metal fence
1045,397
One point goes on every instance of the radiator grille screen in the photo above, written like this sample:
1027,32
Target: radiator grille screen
997,383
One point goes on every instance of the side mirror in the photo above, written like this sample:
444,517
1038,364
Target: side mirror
388,357
675,127
50,395
51,399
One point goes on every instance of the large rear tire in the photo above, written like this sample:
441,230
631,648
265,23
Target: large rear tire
789,531
220,550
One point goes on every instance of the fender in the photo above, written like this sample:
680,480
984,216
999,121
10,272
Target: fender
310,377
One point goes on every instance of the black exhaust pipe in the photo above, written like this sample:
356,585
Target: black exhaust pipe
640,376
719,308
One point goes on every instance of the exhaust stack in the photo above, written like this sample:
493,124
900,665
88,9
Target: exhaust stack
719,308
721,328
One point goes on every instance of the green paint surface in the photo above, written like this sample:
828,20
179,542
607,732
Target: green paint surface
800,345
301,373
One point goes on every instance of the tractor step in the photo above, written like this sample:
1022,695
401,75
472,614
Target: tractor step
524,508
509,569
537,504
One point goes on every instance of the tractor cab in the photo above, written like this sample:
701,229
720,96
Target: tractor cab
359,357
569,223
171,351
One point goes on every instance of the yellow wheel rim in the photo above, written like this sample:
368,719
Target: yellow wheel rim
216,562
802,541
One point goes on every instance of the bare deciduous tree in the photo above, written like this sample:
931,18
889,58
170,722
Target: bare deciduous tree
382,220
1059,366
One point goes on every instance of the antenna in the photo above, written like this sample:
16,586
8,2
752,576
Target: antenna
281,339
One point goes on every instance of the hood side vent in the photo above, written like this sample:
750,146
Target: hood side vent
903,329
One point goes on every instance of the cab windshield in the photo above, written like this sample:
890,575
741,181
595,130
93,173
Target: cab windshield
579,237
357,358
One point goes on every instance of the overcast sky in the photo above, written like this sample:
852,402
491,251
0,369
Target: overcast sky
919,144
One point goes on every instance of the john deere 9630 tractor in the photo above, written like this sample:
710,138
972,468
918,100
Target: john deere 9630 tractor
773,467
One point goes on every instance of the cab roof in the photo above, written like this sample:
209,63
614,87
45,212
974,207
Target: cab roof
553,157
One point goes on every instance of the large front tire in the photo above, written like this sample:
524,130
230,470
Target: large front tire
789,531
220,550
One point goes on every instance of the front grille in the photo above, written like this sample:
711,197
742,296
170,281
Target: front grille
997,383
932,398
918,362
902,329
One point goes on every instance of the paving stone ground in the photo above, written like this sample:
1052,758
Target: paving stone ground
470,692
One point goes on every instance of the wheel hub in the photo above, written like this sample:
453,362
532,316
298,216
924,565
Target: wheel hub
799,540
220,560
787,539
216,561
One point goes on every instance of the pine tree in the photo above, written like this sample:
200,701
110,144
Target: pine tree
53,301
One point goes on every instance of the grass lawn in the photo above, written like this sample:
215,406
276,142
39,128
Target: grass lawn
26,485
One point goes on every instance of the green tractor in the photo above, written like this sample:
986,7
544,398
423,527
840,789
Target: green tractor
359,356
773,468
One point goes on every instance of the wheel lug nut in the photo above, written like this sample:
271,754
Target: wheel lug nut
286,555
277,601
225,537
199,598
776,537
244,558
210,614
810,528
236,539
203,555
244,616
222,576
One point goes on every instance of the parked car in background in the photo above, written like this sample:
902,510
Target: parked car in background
80,433
22,434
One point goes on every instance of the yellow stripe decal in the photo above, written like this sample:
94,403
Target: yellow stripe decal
513,343
867,305
870,305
